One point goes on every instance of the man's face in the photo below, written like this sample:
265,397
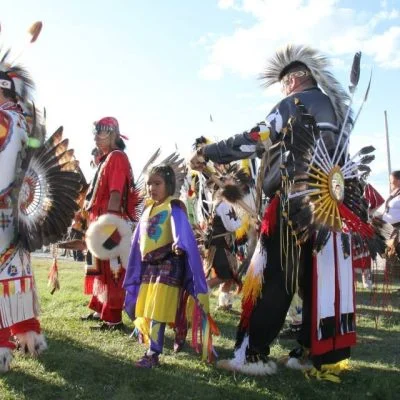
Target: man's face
287,85
394,183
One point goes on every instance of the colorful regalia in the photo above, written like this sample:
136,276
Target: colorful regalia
108,235
158,282
221,260
360,253
314,205
39,186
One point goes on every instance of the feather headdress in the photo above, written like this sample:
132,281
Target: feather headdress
22,82
47,176
17,79
317,63
174,161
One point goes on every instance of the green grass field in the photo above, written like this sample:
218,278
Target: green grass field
82,364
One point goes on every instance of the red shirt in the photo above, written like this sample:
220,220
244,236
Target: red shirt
114,174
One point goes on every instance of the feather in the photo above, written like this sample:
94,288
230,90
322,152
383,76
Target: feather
367,159
317,64
35,30
58,157
150,161
53,281
52,184
366,150
355,72
364,168
51,142
345,245
321,239
232,193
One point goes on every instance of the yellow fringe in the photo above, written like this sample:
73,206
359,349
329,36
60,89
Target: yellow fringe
329,372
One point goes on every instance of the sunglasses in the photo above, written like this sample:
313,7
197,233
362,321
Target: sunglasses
101,133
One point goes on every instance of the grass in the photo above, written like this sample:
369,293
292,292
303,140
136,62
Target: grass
81,364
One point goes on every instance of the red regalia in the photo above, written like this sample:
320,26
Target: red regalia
105,276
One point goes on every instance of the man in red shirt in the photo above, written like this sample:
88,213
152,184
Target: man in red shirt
106,203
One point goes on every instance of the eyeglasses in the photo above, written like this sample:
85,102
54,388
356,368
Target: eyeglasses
101,133
285,80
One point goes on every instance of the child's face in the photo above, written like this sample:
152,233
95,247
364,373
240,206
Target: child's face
156,188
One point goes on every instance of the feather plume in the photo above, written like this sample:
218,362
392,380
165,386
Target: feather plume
345,244
150,161
232,193
321,239
364,168
47,201
35,30
367,159
355,72
317,64
366,150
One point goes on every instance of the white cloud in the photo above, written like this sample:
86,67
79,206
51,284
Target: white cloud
212,72
323,24
385,48
224,4
204,40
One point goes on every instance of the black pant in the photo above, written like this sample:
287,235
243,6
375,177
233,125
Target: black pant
77,254
269,313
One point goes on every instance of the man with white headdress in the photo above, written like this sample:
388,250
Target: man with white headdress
289,256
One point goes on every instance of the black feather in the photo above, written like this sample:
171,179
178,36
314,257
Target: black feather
368,88
366,150
364,168
345,245
367,159
355,72
232,193
322,238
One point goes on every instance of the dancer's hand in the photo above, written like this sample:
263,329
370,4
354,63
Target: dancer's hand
177,250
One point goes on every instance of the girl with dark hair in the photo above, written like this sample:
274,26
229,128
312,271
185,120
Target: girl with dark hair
164,268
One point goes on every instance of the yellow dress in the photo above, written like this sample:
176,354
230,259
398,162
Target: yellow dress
162,276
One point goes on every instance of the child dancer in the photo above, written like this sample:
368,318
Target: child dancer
164,268
221,262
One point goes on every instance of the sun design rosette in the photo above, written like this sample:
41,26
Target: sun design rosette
322,186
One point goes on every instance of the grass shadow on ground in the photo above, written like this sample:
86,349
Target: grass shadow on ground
88,373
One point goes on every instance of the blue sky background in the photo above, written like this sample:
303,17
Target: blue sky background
162,67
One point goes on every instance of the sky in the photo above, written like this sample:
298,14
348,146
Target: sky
162,67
